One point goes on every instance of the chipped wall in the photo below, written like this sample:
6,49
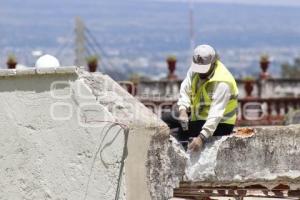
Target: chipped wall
59,140
155,163
269,157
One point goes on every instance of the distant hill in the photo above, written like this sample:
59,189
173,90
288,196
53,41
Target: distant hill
150,29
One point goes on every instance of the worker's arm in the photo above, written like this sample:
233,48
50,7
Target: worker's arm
184,101
220,99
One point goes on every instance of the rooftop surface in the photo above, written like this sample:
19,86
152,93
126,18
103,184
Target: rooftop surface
38,71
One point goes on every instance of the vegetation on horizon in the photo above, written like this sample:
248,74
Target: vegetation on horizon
291,71
92,59
171,58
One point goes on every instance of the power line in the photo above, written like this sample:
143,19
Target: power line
90,46
86,42
99,47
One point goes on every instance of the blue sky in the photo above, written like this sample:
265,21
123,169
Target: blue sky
251,2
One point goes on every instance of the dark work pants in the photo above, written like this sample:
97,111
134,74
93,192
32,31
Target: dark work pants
194,127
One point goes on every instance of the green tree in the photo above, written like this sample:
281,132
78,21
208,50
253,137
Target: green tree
291,70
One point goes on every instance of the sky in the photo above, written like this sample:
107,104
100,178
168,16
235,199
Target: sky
250,2
143,31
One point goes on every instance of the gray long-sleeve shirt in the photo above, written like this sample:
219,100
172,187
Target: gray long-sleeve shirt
220,98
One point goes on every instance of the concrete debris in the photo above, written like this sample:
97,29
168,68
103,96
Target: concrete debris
201,164
244,132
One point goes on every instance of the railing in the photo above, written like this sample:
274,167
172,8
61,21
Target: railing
261,88
129,87
251,111
272,111
164,88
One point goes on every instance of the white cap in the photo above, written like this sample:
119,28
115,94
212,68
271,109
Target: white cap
204,56
47,61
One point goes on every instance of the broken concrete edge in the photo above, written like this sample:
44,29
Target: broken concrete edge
149,138
166,165
38,71
153,121
220,167
128,172
124,114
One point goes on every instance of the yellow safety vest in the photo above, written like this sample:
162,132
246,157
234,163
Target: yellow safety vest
202,95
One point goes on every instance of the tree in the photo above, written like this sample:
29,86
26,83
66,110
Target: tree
291,70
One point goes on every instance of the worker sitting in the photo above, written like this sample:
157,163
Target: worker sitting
209,93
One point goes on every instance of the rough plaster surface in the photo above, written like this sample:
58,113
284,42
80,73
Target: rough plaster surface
268,158
155,162
46,158
59,140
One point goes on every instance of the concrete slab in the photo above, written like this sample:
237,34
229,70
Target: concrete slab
268,158
70,134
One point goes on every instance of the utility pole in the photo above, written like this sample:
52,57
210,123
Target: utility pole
79,42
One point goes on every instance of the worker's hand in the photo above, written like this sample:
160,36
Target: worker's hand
196,144
184,119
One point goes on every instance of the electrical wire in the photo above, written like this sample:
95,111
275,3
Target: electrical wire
125,129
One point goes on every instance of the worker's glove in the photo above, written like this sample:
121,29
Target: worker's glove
196,144
184,119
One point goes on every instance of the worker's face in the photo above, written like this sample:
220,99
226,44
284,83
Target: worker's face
211,70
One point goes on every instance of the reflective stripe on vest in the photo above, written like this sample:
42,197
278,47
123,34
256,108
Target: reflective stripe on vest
202,95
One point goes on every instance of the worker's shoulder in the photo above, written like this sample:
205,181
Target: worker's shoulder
222,64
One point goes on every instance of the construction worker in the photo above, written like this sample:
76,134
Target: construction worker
209,93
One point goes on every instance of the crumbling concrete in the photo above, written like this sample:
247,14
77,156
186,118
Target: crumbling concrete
155,163
166,163
70,134
268,157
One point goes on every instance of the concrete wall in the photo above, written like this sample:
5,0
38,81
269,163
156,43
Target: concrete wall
47,150
59,139
268,157
151,152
